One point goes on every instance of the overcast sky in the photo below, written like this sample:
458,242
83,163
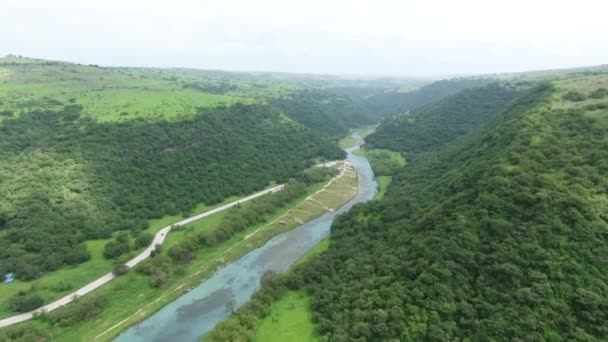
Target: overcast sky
402,37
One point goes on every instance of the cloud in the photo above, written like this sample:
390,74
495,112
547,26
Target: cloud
365,37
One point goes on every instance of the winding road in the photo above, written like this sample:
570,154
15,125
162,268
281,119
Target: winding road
159,238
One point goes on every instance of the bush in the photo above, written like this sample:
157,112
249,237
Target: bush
79,310
23,302
160,270
573,96
120,269
599,93
114,249
143,240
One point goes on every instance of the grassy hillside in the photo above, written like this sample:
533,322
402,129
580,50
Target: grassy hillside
107,94
501,235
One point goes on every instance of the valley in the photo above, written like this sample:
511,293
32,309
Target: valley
150,204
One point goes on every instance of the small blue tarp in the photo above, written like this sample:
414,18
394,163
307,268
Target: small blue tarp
9,278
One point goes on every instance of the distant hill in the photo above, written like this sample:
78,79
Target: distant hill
434,125
111,94
389,103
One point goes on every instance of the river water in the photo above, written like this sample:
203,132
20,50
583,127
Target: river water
195,313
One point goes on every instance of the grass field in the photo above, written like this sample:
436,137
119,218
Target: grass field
118,94
383,182
384,162
349,141
290,319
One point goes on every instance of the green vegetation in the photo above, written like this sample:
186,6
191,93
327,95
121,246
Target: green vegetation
384,162
331,114
89,151
242,324
108,94
383,182
279,311
235,221
574,95
290,316
397,102
441,122
290,319
349,141
59,283
159,280
23,302
69,179
494,230
499,235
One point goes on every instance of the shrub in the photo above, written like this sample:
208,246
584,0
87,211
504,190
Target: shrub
598,93
120,269
23,302
143,240
114,249
79,310
574,96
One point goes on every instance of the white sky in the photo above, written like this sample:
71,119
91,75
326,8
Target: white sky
381,37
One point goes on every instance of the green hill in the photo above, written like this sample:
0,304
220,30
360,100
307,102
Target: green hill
499,235
87,151
398,102
110,94
107,94
441,122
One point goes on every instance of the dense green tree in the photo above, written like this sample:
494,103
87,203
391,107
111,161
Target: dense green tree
441,122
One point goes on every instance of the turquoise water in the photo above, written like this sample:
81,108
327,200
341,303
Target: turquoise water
195,313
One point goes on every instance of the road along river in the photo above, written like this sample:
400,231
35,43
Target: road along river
159,238
194,314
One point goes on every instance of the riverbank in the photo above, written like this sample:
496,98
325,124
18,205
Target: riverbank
290,315
287,315
57,284
327,198
124,296
356,136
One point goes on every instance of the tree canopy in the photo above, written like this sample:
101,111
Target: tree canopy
499,235
67,178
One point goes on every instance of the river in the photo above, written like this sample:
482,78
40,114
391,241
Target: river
195,313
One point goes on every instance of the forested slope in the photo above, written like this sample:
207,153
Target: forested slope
67,177
441,122
389,103
502,235
86,151
325,112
